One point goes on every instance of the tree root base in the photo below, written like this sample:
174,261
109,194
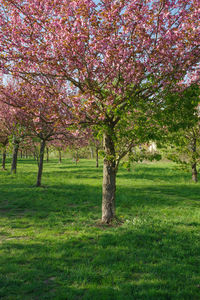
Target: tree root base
115,222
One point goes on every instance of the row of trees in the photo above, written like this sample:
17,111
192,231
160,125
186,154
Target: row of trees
108,66
29,115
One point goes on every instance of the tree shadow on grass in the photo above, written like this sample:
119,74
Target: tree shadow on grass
63,197
69,173
130,263
163,195
68,203
140,172
82,170
153,174
147,260
65,171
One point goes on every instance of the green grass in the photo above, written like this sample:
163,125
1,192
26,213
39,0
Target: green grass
51,246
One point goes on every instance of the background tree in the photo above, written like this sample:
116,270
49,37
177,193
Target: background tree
4,138
96,144
183,128
13,121
4,142
42,115
39,115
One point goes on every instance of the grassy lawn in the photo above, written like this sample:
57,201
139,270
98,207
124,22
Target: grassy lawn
52,246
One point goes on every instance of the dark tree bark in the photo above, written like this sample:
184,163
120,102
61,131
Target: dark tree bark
97,157
109,180
4,159
77,159
194,163
37,158
4,143
47,154
14,157
21,154
40,166
194,172
60,156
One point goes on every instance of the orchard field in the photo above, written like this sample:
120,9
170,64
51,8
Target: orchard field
53,245
121,81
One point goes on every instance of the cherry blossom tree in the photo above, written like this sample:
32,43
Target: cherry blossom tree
42,113
37,116
13,121
4,140
59,145
116,55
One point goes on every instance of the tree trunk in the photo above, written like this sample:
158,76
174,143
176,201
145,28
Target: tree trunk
194,163
21,154
40,166
109,180
47,153
60,156
37,158
4,159
91,153
194,172
77,159
14,157
97,157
